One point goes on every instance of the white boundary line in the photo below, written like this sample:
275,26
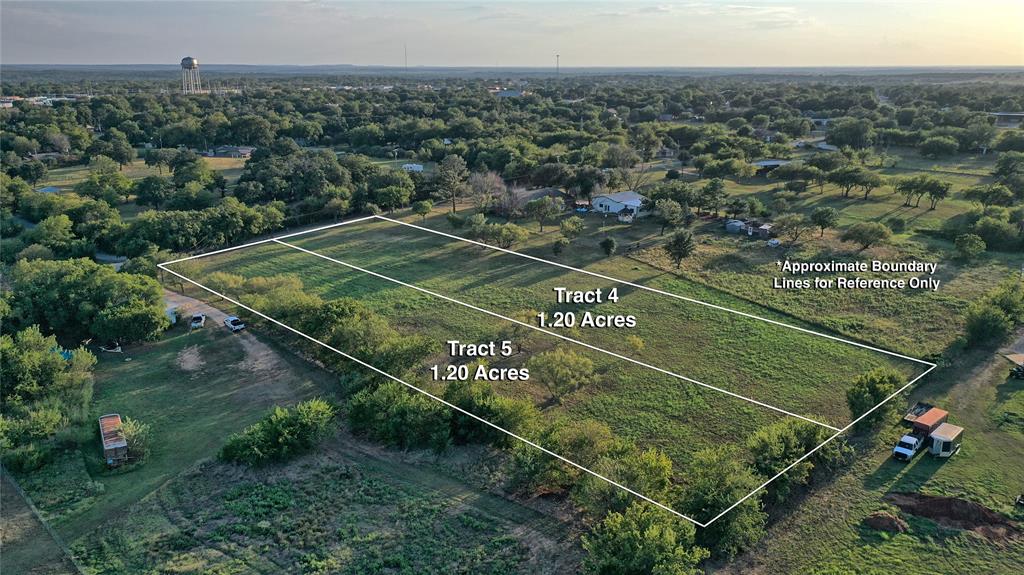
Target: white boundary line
658,291
268,240
432,396
823,443
562,337
931,366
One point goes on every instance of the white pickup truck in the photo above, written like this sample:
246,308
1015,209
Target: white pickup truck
234,324
908,446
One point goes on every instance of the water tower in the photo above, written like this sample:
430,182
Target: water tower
190,83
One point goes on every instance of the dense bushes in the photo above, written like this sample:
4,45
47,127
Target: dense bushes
43,387
281,435
642,540
396,415
81,299
993,317
869,390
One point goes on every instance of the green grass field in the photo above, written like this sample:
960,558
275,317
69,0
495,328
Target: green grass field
194,391
797,372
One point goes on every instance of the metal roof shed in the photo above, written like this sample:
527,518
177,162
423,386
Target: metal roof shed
115,447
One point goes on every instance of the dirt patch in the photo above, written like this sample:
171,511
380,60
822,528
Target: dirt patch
885,521
190,359
957,513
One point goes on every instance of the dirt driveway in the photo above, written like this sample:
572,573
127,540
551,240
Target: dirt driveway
264,365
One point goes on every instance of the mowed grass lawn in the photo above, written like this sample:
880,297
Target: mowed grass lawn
194,389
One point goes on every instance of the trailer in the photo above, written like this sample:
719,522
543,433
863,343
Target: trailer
115,447
946,440
925,421
918,410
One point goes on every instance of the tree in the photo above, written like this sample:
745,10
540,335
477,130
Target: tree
507,235
670,213
990,195
609,245
32,171
986,322
391,197
866,234
847,178
544,209
642,540
776,446
938,193
55,233
793,227
938,146
80,298
715,479
121,150
969,246
712,195
680,247
159,157
869,181
281,435
422,208
451,179
871,389
561,371
153,191
922,185
571,227
825,218
485,188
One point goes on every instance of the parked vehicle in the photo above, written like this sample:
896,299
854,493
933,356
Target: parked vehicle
929,431
198,321
1017,372
234,324
908,446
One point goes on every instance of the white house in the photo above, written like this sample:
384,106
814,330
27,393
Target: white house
625,204
412,167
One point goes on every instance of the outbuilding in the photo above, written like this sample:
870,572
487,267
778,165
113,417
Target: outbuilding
115,446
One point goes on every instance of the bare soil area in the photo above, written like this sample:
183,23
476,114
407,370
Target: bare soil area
957,513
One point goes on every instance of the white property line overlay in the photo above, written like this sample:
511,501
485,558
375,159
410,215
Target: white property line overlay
931,366
432,396
559,336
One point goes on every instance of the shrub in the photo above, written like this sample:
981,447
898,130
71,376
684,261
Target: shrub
644,539
969,246
559,246
986,322
398,416
897,225
137,435
609,245
281,435
998,234
869,390
454,220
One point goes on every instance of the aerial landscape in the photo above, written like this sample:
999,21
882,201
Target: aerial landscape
601,288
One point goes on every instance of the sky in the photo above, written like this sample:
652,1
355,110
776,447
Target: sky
522,33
